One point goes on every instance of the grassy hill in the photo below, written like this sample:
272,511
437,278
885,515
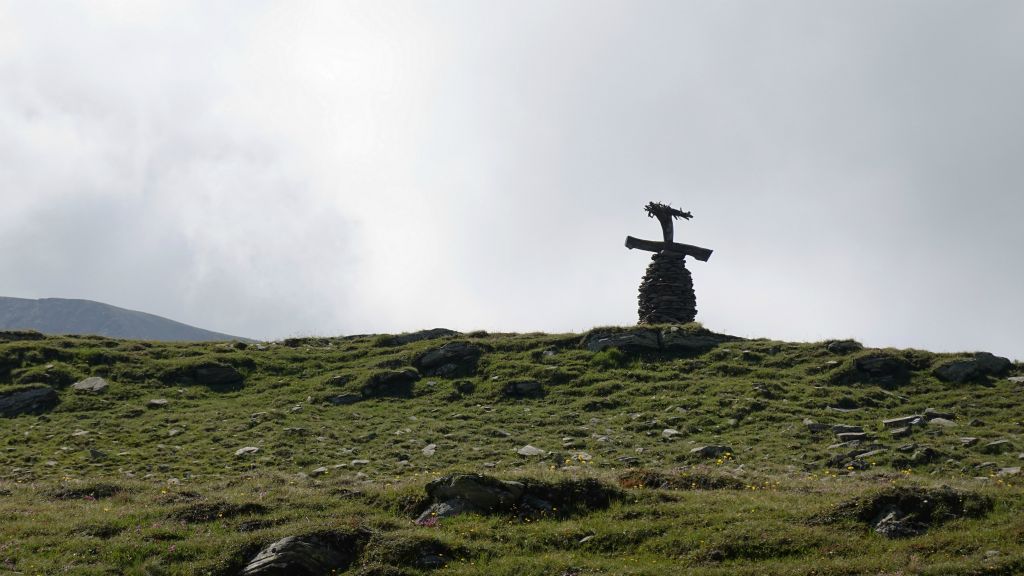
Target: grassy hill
74,316
662,451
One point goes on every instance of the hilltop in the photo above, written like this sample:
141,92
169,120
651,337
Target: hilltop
643,450
74,316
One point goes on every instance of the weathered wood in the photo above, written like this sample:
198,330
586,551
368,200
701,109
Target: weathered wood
697,252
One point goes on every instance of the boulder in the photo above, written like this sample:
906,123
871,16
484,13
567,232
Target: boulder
710,451
882,369
344,399
636,340
481,493
844,346
93,384
409,338
390,383
27,401
529,450
684,341
454,359
310,555
997,447
216,374
523,389
973,369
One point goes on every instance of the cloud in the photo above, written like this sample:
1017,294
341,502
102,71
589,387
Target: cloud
271,169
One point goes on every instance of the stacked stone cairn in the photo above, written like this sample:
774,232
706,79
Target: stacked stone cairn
666,292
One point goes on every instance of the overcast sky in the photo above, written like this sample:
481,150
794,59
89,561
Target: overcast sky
272,169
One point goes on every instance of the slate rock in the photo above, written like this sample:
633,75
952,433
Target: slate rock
529,450
93,384
217,374
944,423
429,449
846,428
710,451
454,359
431,334
912,420
345,399
157,403
669,433
972,370
883,368
848,436
27,401
901,432
246,451
311,555
844,346
480,492
524,389
930,413
997,447
968,441
390,383
636,340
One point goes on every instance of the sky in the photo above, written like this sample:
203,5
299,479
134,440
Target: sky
275,169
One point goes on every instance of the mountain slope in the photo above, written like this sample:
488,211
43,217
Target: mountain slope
72,316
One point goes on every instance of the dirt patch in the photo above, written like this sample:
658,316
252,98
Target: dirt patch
908,511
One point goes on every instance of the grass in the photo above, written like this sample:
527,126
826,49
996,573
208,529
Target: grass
106,484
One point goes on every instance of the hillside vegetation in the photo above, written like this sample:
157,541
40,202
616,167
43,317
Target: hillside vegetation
660,450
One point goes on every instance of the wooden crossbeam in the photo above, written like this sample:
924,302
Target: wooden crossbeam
697,252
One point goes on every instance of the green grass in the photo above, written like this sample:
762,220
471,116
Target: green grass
105,484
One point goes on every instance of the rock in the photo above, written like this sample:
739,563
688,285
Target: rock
247,450
447,509
930,413
892,525
997,447
871,453
479,492
1016,379
900,432
174,432
454,359
95,454
968,441
1009,471
845,429
390,383
359,462
710,451
974,369
530,451
523,389
216,374
27,401
912,420
310,555
669,433
93,384
814,426
156,403
848,436
634,340
666,291
883,368
344,399
409,338
944,423
844,346
687,341
429,449
318,472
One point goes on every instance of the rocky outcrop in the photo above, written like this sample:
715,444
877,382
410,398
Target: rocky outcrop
27,401
307,555
409,338
454,359
675,339
978,368
390,383
93,384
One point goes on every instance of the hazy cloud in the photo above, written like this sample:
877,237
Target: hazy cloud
270,169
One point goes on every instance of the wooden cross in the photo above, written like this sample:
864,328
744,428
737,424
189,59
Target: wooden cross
665,214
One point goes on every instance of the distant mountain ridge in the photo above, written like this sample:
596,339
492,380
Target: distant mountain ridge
73,316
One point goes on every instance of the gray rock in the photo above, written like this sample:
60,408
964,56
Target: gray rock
344,399
27,401
359,462
942,422
844,346
390,383
669,433
95,454
814,426
429,449
930,413
633,340
247,450
710,451
454,359
968,441
92,384
965,370
318,472
300,556
997,447
848,436
431,334
1009,471
912,420
682,341
156,403
529,450
1016,379
446,509
882,368
901,432
845,429
526,388
216,374
479,492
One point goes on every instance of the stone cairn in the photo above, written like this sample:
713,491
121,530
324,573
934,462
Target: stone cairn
666,292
